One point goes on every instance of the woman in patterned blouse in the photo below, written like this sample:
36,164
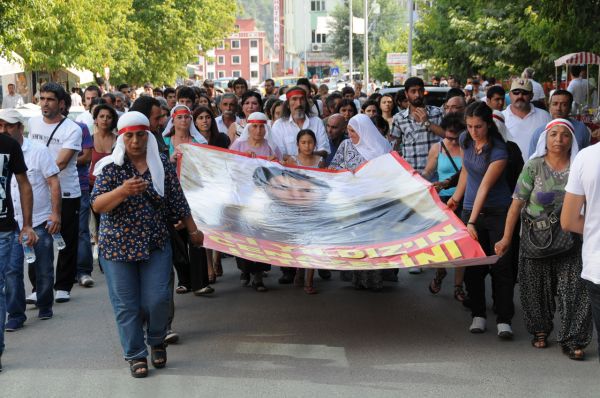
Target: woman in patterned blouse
137,194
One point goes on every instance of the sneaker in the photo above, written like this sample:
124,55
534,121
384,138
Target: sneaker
204,291
286,279
258,284
45,314
478,325
86,281
62,296
415,271
32,298
505,331
171,337
12,325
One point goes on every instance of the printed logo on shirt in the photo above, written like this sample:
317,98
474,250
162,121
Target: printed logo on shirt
4,159
44,139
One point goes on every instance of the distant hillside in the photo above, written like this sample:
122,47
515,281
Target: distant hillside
262,12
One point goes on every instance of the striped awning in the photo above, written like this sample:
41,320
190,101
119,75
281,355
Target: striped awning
582,58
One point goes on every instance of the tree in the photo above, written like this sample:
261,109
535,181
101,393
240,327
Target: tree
379,69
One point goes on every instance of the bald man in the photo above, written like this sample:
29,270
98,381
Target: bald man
336,132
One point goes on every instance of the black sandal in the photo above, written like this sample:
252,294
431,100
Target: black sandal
158,354
436,284
138,364
540,340
576,354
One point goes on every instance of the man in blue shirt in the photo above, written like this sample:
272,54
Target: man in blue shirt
560,107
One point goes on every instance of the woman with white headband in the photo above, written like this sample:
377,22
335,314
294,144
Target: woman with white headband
137,194
539,193
181,130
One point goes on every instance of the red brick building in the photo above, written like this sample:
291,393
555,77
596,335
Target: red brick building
239,55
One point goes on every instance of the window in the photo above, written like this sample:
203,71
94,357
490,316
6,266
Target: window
317,5
236,59
211,75
254,43
210,61
235,44
221,74
221,60
254,59
254,74
237,73
318,37
221,45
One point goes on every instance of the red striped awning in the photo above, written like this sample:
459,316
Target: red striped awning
582,58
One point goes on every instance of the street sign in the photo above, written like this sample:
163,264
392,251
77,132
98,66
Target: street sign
396,59
335,71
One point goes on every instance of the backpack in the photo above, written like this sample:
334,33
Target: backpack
514,165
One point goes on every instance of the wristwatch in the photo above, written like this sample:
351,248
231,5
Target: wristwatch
427,123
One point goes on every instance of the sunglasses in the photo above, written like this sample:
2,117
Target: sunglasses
520,92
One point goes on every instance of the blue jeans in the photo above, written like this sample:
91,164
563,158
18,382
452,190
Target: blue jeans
139,291
84,249
44,274
6,240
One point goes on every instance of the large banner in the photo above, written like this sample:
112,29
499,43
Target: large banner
381,216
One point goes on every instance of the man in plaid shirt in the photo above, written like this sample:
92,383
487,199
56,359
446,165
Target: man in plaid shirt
417,127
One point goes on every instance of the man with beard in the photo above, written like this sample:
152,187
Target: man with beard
296,116
560,107
270,89
418,127
336,131
521,118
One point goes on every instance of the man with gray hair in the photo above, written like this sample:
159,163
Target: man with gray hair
228,103
539,97
121,102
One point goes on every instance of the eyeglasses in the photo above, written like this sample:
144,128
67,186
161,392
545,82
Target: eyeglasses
451,138
519,92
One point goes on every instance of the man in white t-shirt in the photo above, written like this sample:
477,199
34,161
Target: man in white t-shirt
583,193
522,118
63,137
42,173
538,91
89,95
578,86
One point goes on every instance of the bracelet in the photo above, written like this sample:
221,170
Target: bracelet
471,223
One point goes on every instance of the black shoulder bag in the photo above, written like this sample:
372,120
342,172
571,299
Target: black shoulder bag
54,131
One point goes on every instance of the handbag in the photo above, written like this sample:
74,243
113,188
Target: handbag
543,237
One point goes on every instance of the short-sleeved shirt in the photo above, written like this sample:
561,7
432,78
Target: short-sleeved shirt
520,129
541,187
583,180
476,165
285,131
138,225
84,171
67,136
262,150
414,138
582,135
11,162
40,166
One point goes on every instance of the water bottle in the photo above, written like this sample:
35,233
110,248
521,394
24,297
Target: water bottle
58,239
28,250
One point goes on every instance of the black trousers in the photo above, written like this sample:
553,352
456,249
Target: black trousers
191,265
594,294
490,229
252,267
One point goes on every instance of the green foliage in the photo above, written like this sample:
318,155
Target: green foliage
261,11
378,67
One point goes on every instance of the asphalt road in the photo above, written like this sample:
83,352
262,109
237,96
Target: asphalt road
402,342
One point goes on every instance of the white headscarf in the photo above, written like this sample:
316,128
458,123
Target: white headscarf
258,118
177,110
540,149
136,121
371,144
500,123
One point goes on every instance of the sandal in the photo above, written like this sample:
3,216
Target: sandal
539,340
576,354
212,279
158,355
138,368
181,290
310,290
436,284
459,293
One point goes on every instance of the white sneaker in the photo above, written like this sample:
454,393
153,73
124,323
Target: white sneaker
478,325
415,271
31,299
86,281
505,331
62,296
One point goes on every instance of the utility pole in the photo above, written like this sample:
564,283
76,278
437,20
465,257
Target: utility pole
410,35
351,28
366,49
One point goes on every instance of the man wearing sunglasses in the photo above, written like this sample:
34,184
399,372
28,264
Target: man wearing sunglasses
521,118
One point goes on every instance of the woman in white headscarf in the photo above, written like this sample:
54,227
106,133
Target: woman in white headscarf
256,139
137,195
365,142
181,130
540,191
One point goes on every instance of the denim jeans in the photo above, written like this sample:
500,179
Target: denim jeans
44,273
84,250
139,291
6,240
594,293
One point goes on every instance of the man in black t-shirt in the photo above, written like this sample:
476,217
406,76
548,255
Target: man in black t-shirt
12,162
